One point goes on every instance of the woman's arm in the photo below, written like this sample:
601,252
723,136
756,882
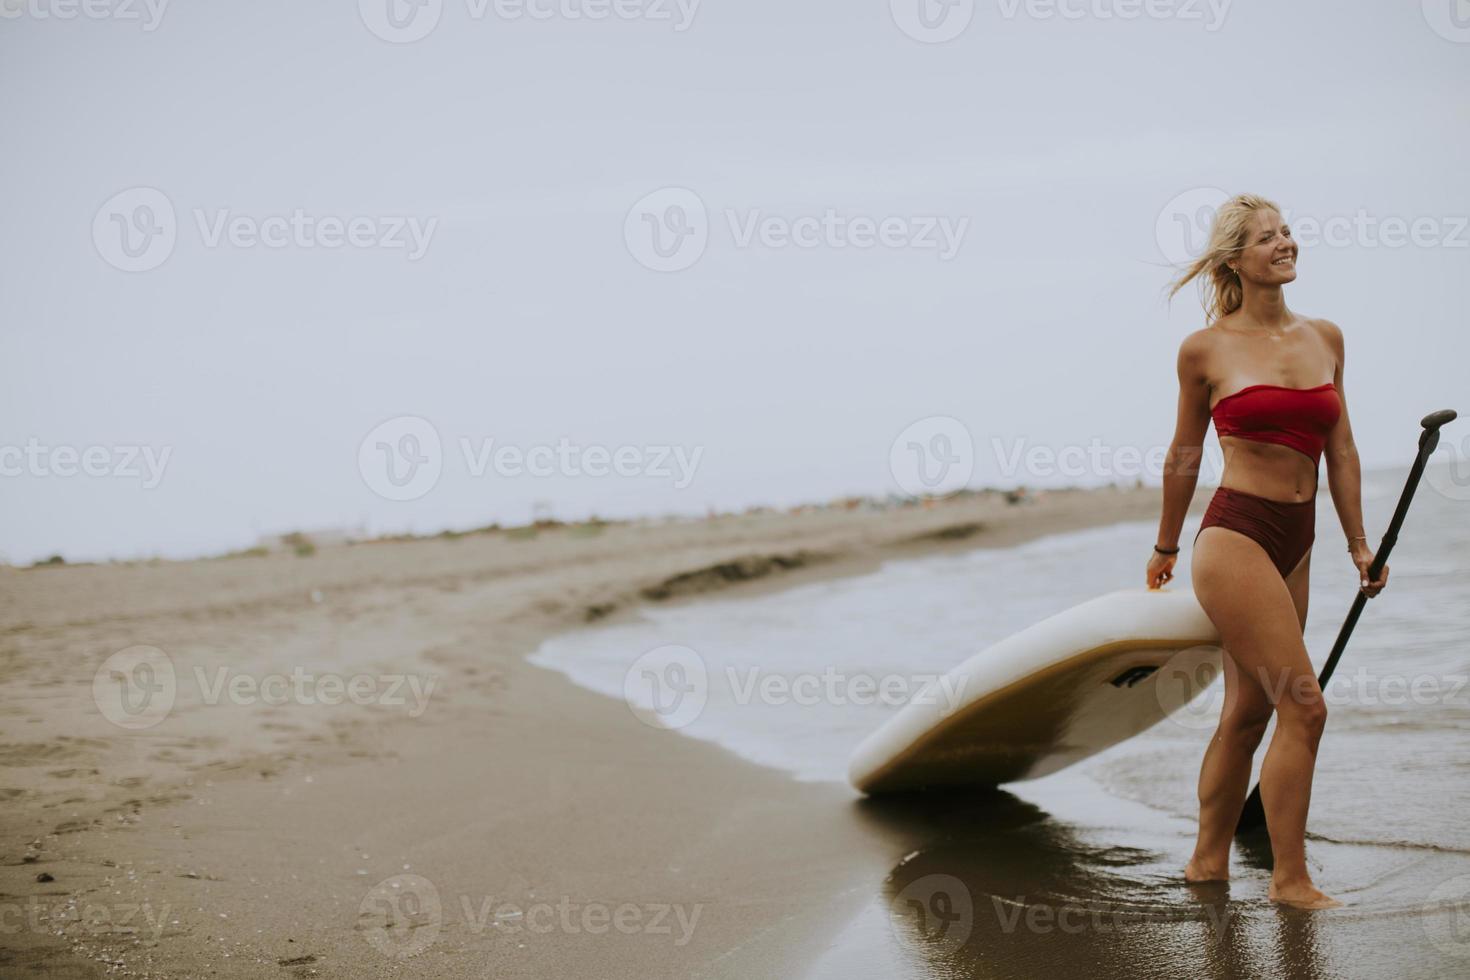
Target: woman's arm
1345,474
1182,461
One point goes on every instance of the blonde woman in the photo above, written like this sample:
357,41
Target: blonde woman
1271,380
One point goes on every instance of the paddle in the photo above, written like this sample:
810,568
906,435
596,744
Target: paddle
1253,816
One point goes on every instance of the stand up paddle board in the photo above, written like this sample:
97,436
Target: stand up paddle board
1049,696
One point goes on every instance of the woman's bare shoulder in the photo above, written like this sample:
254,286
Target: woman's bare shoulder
1198,347
1323,326
1196,355
1328,331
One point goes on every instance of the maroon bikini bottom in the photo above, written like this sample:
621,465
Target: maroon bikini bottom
1285,528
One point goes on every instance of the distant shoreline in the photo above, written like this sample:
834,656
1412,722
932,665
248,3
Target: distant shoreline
304,541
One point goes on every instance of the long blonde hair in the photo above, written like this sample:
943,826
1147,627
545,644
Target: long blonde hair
1219,285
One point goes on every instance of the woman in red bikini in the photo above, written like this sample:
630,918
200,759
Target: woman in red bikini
1261,372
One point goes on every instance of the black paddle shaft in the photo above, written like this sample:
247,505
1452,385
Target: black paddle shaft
1253,816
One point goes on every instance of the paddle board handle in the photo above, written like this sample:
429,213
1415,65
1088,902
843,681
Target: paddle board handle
1253,814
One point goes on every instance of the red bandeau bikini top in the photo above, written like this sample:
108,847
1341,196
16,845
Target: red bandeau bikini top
1299,418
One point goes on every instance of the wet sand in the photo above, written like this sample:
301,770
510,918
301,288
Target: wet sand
510,824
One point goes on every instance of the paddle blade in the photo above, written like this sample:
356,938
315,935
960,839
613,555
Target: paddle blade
1253,815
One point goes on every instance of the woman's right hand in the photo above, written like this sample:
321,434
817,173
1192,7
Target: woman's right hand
1160,570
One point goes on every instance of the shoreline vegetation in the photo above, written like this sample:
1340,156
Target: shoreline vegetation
304,543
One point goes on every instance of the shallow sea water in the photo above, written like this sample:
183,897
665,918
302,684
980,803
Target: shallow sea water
1083,866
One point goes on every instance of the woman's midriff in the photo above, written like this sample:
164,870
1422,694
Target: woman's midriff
1267,470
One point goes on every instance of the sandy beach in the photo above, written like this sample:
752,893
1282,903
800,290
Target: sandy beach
464,814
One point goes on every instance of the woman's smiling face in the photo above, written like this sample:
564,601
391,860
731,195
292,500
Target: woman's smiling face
1268,255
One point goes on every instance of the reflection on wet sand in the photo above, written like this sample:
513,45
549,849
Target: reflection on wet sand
994,886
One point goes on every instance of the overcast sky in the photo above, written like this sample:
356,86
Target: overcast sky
742,251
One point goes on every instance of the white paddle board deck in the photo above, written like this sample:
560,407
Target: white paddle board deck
1049,696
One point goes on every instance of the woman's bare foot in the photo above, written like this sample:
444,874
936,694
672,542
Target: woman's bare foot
1198,870
1302,895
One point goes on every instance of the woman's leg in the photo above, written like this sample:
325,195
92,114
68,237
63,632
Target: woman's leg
1297,583
1224,776
1260,628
